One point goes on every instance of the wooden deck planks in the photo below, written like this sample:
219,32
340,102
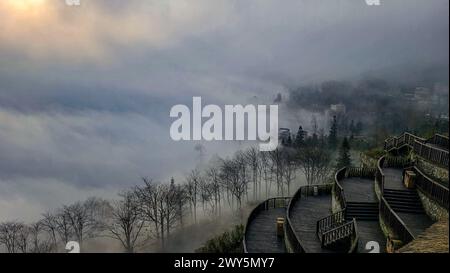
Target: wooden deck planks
305,214
416,223
358,189
262,234
393,179
370,231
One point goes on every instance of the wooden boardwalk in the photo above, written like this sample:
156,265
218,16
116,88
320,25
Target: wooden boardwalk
262,234
358,189
304,216
416,223
370,231
393,179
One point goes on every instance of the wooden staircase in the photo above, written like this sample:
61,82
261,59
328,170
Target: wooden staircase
407,201
362,211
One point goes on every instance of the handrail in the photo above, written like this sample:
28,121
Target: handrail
334,227
347,230
402,140
428,186
391,219
386,161
355,238
379,176
439,140
339,190
270,203
389,216
434,154
291,235
330,222
422,147
349,172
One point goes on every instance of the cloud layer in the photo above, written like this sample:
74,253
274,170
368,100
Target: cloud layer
85,91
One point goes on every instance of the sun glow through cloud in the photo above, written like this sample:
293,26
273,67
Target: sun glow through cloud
26,4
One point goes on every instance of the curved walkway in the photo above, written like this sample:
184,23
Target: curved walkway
415,222
304,216
261,229
262,234
361,190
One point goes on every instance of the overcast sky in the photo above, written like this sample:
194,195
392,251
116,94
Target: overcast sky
85,92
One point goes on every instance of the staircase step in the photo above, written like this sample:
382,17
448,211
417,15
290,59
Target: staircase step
405,200
363,218
408,210
399,192
353,208
356,215
404,204
362,204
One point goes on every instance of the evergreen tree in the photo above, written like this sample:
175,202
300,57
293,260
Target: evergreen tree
344,158
300,137
289,141
332,137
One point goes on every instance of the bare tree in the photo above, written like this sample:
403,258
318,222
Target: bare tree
206,196
148,196
234,179
276,158
170,205
126,225
85,218
193,181
252,156
160,205
266,167
10,235
49,223
289,168
315,162
63,226
181,200
212,174
41,242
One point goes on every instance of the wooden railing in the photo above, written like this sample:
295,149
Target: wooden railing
439,140
393,221
387,214
330,222
346,234
291,237
339,190
396,162
379,176
272,203
361,172
333,228
432,153
430,149
430,188
349,172
389,162
402,140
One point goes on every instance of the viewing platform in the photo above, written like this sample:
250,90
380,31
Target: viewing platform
346,215
261,229
362,204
